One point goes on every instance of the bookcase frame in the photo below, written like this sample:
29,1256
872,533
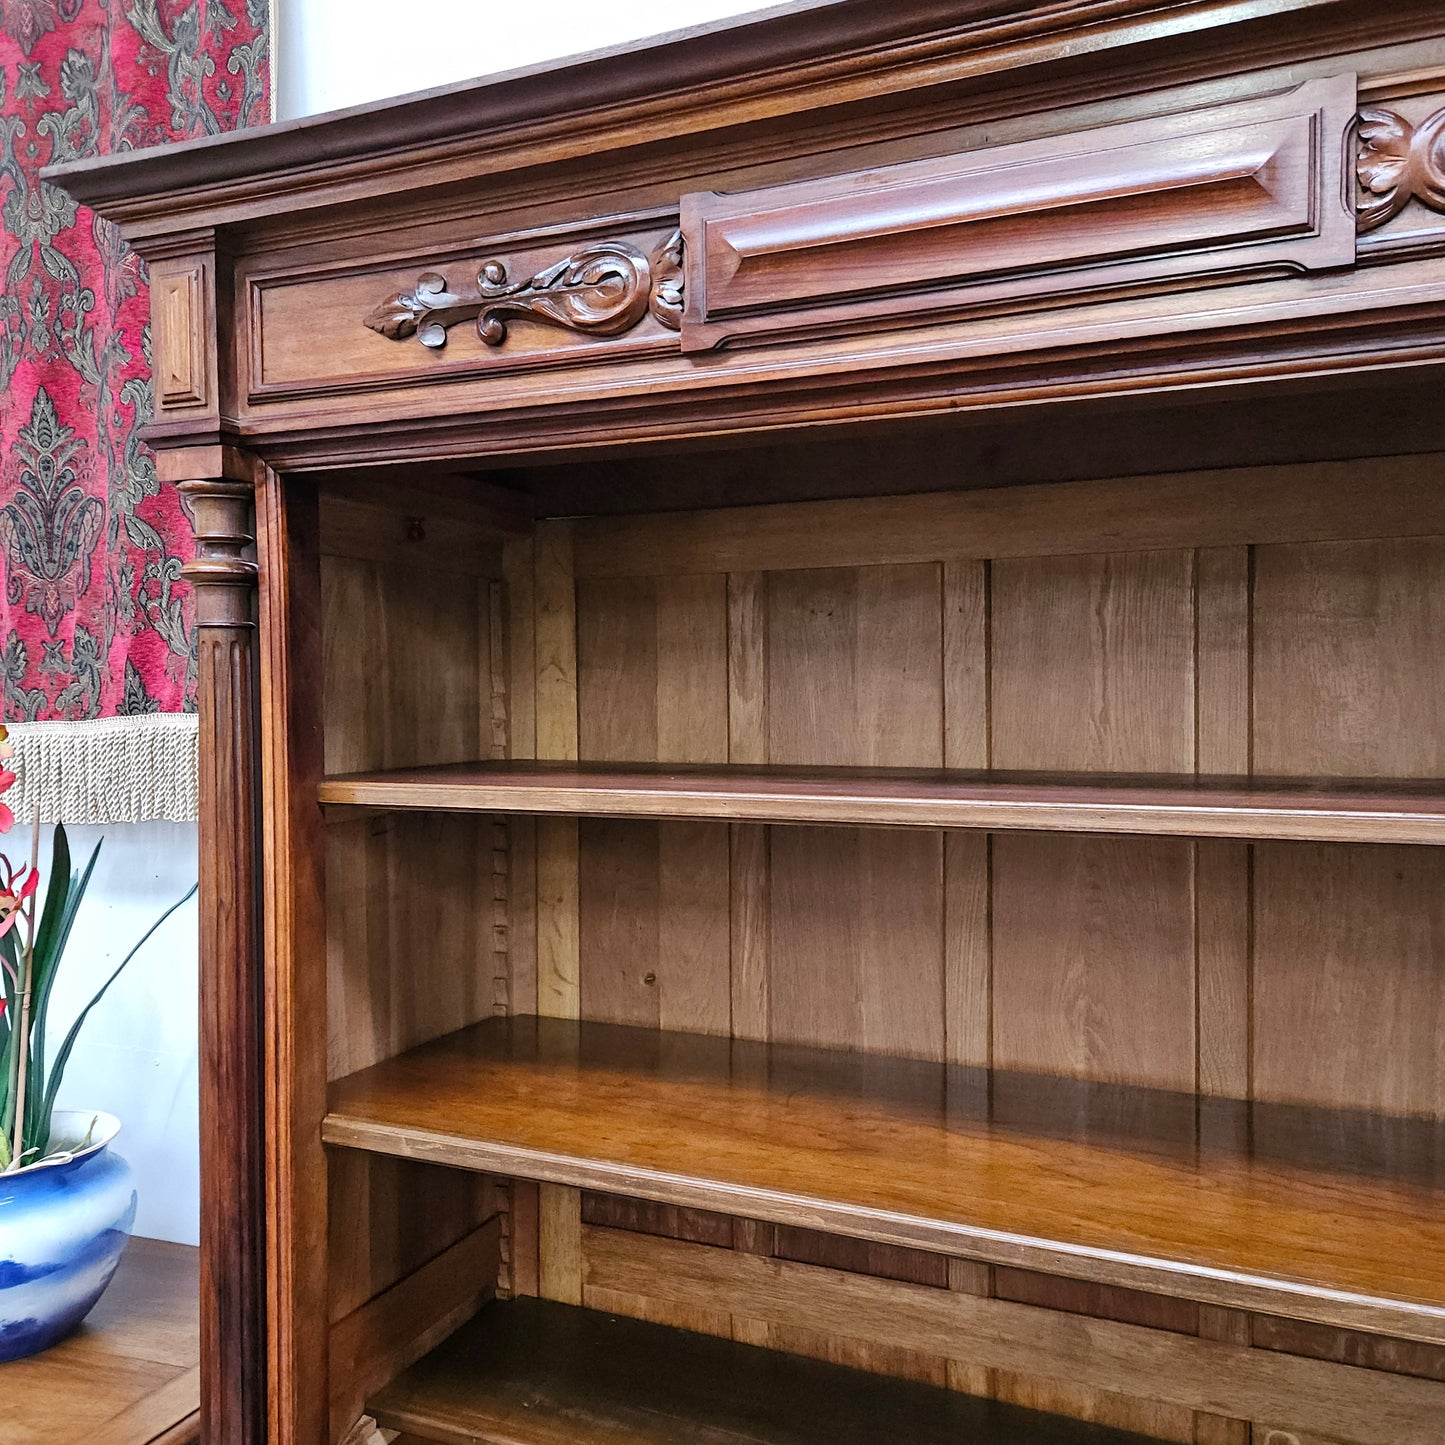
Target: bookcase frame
820,718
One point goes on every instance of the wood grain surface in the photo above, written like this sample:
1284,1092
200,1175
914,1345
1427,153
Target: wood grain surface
1178,806
130,1375
536,1373
1101,1182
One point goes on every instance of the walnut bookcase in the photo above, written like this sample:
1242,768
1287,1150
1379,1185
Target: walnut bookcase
822,734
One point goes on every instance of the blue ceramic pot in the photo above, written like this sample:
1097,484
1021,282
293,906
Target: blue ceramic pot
63,1227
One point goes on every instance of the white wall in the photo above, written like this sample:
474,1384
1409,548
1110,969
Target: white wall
136,1055
334,53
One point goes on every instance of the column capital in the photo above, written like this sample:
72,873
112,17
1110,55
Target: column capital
224,572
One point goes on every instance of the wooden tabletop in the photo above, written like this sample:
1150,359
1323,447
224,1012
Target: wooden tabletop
130,1375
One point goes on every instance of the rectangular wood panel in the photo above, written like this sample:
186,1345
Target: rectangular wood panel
1251,185
1348,675
1094,958
1093,662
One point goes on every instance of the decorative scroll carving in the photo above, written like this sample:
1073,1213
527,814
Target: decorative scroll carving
1398,161
604,289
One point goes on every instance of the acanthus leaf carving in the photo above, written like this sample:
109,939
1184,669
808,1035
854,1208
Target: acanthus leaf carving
604,289
1398,162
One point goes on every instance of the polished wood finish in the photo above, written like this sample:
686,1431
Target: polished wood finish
1190,808
130,1375
1096,535
1252,184
536,1373
760,1129
1096,1360
232,1076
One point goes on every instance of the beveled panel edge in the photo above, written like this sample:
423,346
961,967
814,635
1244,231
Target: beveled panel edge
1289,144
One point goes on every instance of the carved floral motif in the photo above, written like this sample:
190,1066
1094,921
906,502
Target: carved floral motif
604,289
1398,161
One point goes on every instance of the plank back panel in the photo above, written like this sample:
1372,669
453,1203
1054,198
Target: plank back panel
414,667
1033,628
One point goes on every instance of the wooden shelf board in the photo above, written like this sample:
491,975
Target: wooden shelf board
531,1372
1329,1216
1311,810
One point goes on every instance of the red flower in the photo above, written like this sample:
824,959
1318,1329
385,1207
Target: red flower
17,887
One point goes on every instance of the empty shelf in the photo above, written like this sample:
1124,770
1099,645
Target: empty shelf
1323,1215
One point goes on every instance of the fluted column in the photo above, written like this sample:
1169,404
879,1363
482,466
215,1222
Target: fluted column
232,1104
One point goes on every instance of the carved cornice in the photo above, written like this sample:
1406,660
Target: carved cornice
1397,162
604,289
224,577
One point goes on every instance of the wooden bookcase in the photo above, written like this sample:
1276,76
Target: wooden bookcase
826,826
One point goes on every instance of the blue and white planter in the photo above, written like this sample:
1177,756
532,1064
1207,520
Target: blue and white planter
64,1224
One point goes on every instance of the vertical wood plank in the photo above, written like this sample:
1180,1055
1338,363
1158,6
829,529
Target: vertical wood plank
856,943
559,1233
966,665
1222,661
1093,662
853,670
968,949
750,930
1094,958
968,1276
747,668
1348,953
1347,679
558,950
1222,890
295,934
556,642
559,1210
1232,1327
519,574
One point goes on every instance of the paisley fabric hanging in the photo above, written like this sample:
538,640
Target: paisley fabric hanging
96,630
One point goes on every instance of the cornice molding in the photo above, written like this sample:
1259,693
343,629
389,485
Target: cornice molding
744,71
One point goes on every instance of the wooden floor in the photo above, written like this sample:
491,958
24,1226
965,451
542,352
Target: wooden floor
129,1376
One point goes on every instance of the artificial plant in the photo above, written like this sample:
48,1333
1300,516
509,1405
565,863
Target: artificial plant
33,935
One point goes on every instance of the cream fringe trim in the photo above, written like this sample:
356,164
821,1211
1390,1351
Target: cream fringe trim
108,770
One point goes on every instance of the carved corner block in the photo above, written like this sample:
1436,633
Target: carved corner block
604,289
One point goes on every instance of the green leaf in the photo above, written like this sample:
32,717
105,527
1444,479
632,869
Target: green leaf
63,1057
38,1125
44,963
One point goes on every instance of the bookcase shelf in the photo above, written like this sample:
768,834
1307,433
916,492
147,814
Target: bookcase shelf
1328,1216
531,1372
1303,809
